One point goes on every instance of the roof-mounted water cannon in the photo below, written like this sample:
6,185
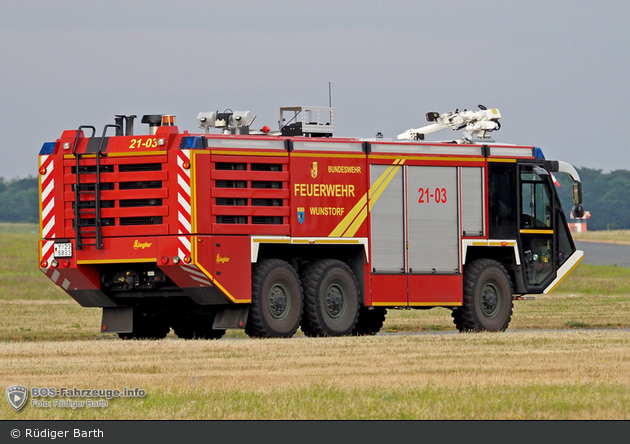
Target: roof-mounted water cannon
477,123
230,122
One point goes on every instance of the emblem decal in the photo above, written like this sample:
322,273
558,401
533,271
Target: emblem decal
300,214
17,396
313,170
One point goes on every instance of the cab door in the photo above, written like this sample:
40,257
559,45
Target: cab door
536,230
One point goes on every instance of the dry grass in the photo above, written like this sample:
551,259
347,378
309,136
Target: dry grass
604,236
47,339
435,376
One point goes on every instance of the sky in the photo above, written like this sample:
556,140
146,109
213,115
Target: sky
558,71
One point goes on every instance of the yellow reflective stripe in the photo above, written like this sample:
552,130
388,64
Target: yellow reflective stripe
357,223
116,261
273,241
247,153
193,241
536,231
434,304
341,156
357,215
375,194
350,217
390,304
193,192
502,160
119,154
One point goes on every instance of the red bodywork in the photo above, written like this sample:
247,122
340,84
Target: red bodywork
201,214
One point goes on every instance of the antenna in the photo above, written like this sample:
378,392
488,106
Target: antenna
329,96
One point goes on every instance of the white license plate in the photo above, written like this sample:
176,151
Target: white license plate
63,250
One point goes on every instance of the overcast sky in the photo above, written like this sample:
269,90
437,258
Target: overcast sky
557,71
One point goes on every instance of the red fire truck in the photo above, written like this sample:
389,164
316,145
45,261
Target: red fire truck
271,231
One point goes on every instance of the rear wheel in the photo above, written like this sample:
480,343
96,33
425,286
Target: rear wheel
370,322
276,309
331,299
488,302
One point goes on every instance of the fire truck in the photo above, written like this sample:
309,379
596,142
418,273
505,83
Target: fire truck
272,231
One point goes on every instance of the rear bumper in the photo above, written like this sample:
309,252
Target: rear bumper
209,270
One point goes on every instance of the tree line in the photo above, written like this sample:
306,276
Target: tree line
19,200
605,195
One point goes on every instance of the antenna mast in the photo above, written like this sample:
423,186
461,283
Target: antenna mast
329,96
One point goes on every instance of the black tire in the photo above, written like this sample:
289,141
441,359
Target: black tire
370,321
488,301
276,309
195,326
331,299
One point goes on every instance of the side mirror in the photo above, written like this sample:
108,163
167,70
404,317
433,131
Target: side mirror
577,193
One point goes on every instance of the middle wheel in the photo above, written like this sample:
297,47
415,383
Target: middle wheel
331,299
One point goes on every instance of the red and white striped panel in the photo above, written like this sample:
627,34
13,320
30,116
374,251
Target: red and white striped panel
183,192
48,197
195,273
47,252
184,218
55,276
47,184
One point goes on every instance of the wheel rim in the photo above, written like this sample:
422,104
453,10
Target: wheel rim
335,301
278,301
490,299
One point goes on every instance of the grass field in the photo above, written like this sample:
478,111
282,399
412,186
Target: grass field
606,236
565,356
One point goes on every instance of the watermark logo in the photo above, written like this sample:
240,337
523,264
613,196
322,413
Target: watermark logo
17,396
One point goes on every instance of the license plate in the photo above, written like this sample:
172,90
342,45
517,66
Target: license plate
63,250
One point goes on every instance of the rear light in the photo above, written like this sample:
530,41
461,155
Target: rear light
44,264
186,165
187,259
164,260
54,263
65,263
42,170
176,259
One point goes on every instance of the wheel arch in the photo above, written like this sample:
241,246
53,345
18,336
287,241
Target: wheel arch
507,255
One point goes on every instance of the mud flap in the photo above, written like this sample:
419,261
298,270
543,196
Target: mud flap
117,320
231,317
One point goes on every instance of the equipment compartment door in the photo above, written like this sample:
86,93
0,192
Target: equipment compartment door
433,223
387,219
472,201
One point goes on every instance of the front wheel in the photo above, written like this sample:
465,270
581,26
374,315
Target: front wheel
488,302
